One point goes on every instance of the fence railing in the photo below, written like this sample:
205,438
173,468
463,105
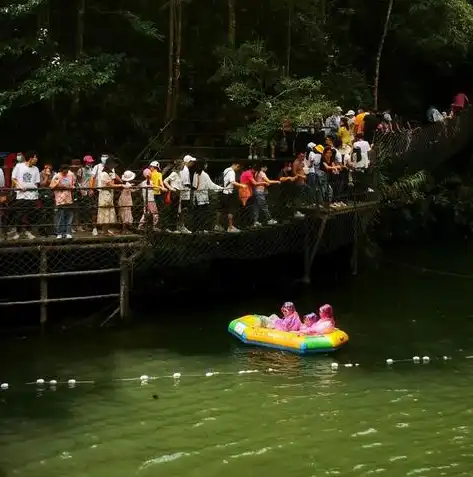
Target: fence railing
433,142
95,212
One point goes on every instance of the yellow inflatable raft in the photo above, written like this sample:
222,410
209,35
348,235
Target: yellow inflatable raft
248,329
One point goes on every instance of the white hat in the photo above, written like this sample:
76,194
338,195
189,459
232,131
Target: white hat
350,113
154,164
188,158
128,176
339,109
311,145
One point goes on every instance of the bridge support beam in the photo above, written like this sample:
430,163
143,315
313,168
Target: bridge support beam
310,250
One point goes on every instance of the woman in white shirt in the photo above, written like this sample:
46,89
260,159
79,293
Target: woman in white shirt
202,184
361,148
173,183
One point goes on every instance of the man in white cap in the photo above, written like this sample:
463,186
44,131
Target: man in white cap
189,161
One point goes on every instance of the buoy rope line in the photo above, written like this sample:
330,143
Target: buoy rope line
52,384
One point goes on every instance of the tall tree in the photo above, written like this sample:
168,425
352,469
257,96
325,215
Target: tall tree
232,23
380,52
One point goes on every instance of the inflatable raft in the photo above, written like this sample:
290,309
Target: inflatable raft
248,329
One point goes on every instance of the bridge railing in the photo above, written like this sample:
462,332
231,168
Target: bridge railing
95,212
429,144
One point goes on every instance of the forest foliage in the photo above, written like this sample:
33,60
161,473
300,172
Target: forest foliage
89,74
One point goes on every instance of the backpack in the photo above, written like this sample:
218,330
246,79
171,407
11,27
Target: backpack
221,178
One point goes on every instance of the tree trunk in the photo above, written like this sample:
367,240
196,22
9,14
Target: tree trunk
80,29
289,38
231,23
79,49
323,11
380,52
170,90
177,60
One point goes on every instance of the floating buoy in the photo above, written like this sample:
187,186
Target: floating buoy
40,381
389,361
425,359
334,365
348,365
4,386
416,359
176,375
53,382
356,365
144,378
270,370
209,374
71,381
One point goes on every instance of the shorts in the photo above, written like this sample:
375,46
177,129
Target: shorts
229,203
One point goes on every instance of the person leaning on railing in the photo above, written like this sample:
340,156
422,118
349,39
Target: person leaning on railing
62,185
87,201
202,184
259,201
229,204
106,216
26,179
173,183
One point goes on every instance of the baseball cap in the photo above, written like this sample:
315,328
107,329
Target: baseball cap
154,164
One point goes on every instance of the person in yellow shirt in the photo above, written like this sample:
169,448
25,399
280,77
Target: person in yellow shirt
156,179
344,131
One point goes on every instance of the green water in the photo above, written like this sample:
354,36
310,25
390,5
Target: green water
304,419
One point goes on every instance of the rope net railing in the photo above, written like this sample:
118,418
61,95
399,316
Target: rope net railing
432,143
187,226
100,224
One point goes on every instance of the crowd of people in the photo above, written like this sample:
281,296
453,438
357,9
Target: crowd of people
91,196
180,198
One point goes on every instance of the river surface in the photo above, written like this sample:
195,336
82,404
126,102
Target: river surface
302,419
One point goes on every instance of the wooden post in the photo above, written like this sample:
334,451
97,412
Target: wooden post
311,252
124,286
43,270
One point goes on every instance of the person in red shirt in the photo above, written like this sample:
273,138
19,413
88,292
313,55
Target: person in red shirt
248,178
459,102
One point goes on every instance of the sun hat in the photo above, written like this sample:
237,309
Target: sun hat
128,176
88,159
319,148
189,158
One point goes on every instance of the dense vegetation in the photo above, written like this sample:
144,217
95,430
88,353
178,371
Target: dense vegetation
89,74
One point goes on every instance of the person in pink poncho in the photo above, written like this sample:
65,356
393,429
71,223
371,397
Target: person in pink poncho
322,326
290,320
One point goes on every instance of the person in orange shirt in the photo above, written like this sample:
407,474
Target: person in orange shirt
359,122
